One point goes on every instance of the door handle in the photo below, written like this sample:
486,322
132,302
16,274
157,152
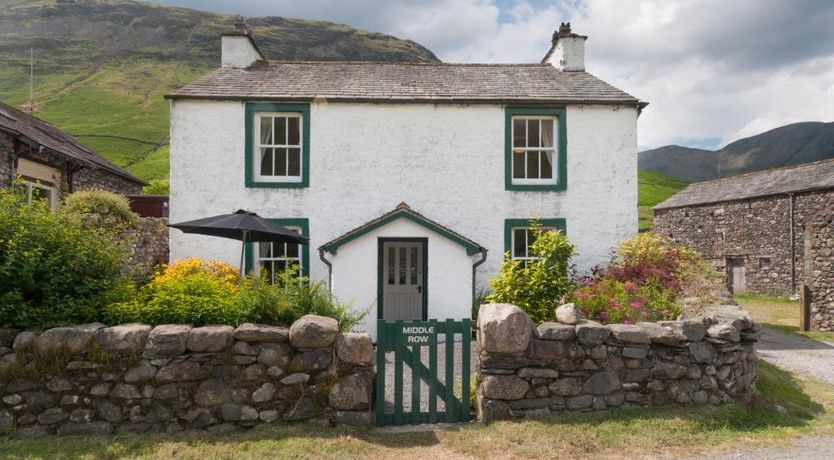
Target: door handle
419,289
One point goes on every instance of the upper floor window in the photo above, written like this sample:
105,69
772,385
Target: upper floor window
535,149
277,145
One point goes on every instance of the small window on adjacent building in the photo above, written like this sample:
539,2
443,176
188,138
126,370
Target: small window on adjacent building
38,190
273,258
764,262
279,147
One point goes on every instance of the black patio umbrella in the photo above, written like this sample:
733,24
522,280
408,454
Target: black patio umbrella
243,226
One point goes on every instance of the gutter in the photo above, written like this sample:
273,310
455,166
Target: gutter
475,268
329,269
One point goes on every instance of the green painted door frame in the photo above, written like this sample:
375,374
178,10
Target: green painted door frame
424,243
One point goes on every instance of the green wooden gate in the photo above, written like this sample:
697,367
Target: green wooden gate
407,340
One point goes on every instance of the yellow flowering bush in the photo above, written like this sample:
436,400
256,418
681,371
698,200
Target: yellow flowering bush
187,267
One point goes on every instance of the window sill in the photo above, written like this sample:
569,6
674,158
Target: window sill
515,187
271,184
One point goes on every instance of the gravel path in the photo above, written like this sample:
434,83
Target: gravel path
424,389
809,357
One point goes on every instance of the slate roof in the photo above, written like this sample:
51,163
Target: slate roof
405,82
805,177
402,211
35,130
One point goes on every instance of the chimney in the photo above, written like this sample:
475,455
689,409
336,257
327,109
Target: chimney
238,48
567,50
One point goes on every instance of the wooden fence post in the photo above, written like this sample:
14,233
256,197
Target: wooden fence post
805,308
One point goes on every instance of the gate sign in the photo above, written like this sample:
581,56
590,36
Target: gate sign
418,335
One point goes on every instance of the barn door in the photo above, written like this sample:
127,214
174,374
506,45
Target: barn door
736,276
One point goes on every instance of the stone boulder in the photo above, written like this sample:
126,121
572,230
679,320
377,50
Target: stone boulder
592,333
210,338
662,334
7,337
124,339
568,314
603,383
24,340
351,393
505,387
167,341
728,314
313,331
74,339
724,332
691,329
504,328
354,348
630,333
556,331
251,332
212,392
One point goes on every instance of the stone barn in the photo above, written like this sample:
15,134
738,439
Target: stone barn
757,226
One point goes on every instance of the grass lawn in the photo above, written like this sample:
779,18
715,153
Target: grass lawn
621,433
779,313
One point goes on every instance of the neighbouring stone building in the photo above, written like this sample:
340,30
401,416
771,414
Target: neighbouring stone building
821,270
757,227
51,162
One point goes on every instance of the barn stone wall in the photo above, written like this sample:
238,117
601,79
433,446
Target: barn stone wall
92,379
528,371
148,246
821,280
754,229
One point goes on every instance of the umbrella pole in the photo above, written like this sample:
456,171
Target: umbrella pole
242,251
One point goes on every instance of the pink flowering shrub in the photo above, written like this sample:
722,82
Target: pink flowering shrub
647,274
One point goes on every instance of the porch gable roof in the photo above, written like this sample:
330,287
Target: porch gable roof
402,211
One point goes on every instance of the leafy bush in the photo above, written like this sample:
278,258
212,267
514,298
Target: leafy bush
540,285
292,297
609,300
188,291
200,292
53,271
101,208
159,187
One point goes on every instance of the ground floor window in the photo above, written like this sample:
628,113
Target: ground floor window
519,236
273,258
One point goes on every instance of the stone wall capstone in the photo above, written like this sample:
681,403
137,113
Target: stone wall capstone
588,366
94,379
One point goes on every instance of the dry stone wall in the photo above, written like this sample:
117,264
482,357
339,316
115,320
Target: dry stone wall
148,245
579,365
821,276
93,379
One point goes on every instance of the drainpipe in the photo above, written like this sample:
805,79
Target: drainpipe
329,270
792,199
475,268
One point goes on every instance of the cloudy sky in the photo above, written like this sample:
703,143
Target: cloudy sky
713,70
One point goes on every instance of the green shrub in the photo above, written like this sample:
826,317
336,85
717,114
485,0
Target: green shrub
189,291
292,297
608,300
100,207
53,270
539,286
159,187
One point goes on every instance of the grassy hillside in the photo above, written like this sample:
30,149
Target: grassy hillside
653,188
102,67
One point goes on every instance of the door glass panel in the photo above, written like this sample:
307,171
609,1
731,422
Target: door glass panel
402,265
391,265
413,266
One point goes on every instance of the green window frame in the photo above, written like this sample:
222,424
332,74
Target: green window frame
304,250
251,112
512,224
561,144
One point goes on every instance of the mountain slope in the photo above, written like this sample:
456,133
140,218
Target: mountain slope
102,67
653,188
784,146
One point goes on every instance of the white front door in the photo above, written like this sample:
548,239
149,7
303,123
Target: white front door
402,265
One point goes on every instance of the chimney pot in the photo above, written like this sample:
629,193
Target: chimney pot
240,26
567,51
238,48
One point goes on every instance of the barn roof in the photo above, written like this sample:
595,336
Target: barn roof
800,178
405,82
33,130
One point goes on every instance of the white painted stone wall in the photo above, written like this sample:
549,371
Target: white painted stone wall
445,161
569,54
237,52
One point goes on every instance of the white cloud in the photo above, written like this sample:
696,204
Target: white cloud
709,68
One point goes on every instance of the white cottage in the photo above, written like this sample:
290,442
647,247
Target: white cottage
410,179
